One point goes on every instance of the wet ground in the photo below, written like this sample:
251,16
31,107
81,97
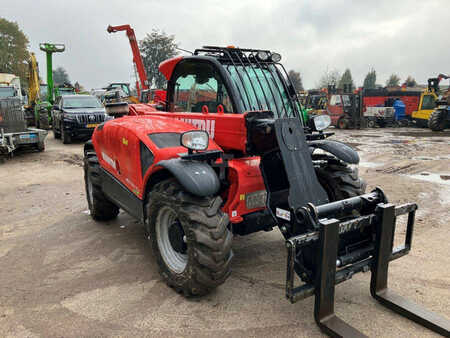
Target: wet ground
64,275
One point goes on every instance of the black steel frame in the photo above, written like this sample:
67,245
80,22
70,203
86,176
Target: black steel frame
247,57
327,276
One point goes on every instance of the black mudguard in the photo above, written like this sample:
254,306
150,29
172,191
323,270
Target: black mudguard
338,149
198,178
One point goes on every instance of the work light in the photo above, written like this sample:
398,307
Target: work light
276,57
262,55
195,140
321,122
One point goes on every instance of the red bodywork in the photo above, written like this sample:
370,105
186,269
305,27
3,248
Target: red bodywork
136,54
117,144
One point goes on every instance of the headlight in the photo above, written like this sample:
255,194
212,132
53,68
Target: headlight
321,122
276,57
195,140
256,199
69,117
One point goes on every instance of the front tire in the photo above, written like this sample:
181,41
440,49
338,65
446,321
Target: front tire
340,181
100,207
66,138
438,120
56,134
189,237
343,123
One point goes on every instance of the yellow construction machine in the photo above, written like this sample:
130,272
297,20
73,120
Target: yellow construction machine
427,103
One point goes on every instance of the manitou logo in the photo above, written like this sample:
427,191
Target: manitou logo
207,125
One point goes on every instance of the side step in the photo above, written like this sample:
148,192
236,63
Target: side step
327,276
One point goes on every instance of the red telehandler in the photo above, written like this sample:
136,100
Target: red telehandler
230,155
137,60
145,95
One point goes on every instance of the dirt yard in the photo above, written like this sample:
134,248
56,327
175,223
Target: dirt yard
63,275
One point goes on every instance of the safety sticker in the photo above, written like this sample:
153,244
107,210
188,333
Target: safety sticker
109,160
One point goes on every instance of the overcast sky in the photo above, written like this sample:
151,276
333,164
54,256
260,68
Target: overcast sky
401,36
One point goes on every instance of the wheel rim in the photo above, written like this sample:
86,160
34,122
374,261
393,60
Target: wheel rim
175,258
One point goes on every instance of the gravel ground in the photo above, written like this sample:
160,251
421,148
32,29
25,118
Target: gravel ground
62,274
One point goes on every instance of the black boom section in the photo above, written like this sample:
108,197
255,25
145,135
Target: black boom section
304,187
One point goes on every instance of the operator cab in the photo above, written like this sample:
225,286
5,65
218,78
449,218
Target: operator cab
230,80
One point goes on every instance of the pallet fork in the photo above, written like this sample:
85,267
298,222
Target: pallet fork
328,276
372,210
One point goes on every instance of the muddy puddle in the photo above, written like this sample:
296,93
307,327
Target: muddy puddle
424,133
370,164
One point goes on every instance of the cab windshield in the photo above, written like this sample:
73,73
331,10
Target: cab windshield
261,88
81,102
7,92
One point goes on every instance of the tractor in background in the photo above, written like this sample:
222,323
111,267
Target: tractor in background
229,156
427,105
440,117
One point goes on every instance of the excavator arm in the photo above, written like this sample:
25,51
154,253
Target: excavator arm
33,81
136,54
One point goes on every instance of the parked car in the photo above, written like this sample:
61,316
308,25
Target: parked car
76,116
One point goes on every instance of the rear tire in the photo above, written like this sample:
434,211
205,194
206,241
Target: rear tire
189,237
438,120
100,207
371,124
40,146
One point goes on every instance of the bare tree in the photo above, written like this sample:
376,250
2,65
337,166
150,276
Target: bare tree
329,77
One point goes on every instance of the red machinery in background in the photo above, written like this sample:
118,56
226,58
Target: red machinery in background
137,60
